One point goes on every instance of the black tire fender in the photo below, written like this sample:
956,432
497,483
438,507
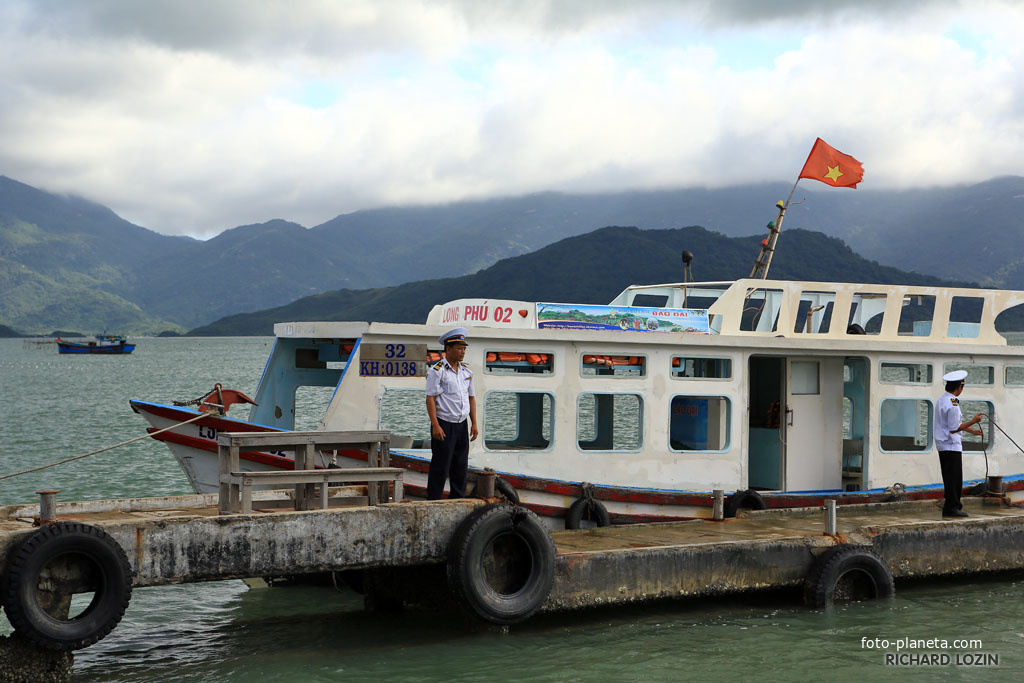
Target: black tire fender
589,509
743,500
501,564
846,574
102,560
501,488
506,489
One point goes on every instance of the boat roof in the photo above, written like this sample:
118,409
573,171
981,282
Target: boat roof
742,308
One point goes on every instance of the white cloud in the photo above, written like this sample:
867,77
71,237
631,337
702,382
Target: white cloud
191,117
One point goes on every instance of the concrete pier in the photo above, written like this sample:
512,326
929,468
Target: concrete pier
184,539
776,549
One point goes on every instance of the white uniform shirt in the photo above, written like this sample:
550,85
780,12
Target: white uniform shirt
452,388
947,418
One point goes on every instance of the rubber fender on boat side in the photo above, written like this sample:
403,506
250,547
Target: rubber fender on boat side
507,490
585,513
847,574
101,562
743,500
501,488
501,564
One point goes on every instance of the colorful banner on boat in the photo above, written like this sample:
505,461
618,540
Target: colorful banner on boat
624,318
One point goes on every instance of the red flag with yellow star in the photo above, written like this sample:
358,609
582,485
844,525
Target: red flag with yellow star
832,167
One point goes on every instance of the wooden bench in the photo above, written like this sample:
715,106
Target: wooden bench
236,486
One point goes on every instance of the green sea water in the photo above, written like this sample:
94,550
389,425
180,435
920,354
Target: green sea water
53,407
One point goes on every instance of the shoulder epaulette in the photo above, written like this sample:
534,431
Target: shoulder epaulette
439,365
955,401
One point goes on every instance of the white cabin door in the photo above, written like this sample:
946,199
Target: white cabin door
812,423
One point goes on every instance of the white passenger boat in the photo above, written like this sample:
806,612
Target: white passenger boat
780,393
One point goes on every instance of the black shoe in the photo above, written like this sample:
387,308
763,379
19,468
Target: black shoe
955,513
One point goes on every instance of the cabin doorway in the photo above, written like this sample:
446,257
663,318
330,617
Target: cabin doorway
764,451
795,423
856,381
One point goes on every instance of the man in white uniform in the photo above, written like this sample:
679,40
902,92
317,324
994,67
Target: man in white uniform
948,426
450,400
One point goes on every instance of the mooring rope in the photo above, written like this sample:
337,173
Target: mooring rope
996,425
108,448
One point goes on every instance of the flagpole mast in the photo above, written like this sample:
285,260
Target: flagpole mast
825,164
764,259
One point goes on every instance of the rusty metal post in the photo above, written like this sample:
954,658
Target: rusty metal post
485,483
48,506
718,508
830,517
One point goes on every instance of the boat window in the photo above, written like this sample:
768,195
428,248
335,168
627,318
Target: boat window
650,300
700,423
969,409
403,412
688,299
905,373
1010,323
916,315
866,312
965,317
761,310
814,314
609,422
518,362
803,377
976,374
518,420
847,417
605,365
906,425
325,353
1014,376
690,367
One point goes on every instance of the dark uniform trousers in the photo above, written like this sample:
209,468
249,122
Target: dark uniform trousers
951,463
449,460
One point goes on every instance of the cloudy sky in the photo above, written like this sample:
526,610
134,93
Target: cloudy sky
194,116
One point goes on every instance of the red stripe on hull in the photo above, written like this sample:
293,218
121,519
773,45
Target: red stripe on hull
559,488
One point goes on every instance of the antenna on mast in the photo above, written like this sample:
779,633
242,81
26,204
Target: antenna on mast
687,276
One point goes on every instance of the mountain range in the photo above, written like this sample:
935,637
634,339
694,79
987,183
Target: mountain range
66,262
591,268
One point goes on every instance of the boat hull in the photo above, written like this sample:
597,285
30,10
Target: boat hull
103,349
195,447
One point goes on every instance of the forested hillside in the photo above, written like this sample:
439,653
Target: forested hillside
591,268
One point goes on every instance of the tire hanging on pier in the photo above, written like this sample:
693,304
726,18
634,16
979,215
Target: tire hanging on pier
501,564
743,500
91,562
847,574
586,513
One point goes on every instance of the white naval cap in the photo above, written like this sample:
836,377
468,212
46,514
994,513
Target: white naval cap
455,336
955,376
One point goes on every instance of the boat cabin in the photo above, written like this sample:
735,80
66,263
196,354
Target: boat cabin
771,385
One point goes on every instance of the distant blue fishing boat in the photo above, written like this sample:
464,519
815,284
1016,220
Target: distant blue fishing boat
103,344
